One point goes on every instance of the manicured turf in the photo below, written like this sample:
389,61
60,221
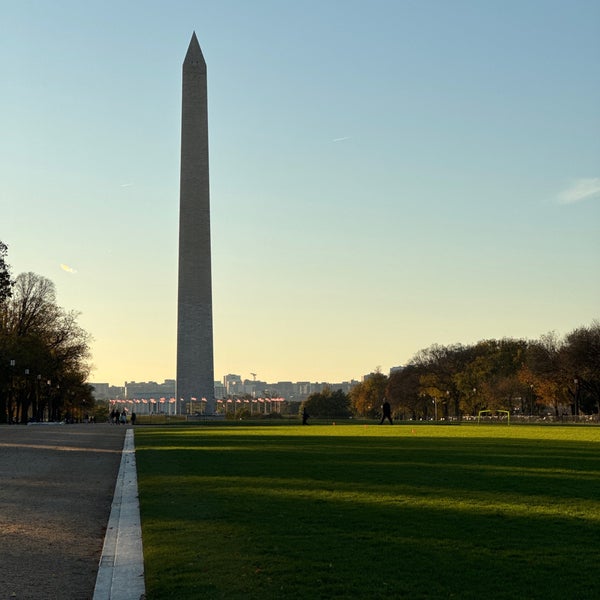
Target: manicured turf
355,511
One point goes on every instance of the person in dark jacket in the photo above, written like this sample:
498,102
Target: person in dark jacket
386,411
305,417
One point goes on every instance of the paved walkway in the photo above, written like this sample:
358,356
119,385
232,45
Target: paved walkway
57,489
121,569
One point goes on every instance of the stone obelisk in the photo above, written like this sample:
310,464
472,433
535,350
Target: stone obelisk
195,370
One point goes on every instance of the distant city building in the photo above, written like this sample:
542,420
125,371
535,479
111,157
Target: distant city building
150,389
219,390
232,386
105,391
283,389
100,391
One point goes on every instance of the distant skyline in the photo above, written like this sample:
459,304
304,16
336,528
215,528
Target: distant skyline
384,175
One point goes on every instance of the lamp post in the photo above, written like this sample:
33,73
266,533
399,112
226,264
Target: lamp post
26,398
11,397
531,397
38,380
576,382
49,400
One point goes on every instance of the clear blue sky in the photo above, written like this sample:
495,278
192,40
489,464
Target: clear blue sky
385,175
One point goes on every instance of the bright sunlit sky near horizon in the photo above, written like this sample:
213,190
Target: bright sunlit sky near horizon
385,175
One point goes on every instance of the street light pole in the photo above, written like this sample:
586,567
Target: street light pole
11,397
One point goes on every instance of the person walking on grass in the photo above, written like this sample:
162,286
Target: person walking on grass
305,417
386,411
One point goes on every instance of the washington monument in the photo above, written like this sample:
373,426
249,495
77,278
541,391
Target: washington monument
195,370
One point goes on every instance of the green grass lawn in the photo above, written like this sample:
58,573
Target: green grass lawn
355,511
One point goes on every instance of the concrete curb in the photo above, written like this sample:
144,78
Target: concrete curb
121,568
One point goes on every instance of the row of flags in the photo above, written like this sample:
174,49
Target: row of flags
150,401
172,400
247,401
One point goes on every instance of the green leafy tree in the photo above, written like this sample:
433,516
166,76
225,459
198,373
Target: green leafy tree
5,281
489,379
441,364
580,360
47,351
328,403
543,371
367,396
405,396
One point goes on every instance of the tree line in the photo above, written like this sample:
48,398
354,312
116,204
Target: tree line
549,376
44,366
44,353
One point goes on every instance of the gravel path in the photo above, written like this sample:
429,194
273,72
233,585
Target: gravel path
56,489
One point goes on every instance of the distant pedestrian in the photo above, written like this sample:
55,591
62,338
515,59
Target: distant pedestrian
305,417
132,418
386,411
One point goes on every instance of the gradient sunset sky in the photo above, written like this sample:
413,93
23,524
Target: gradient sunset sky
385,175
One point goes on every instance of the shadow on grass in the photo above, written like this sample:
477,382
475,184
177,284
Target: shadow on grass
241,515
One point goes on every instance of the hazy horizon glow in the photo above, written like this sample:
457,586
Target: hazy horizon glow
384,176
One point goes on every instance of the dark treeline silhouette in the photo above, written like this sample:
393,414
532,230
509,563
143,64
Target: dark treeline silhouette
549,376
43,353
327,404
44,367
